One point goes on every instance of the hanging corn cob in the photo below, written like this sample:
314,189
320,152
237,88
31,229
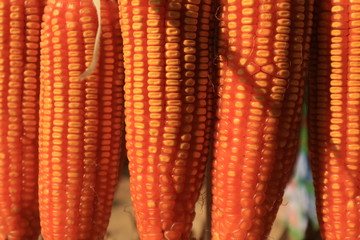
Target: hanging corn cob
19,91
288,135
334,118
166,54
80,118
263,51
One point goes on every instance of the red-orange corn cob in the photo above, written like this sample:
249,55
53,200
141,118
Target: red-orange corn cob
334,118
263,51
288,134
80,119
166,54
19,91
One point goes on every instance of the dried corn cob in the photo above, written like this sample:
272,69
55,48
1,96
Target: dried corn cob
263,48
19,91
80,119
334,118
166,53
288,134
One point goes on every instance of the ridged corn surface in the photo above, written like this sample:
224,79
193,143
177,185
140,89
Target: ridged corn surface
288,134
167,108
334,118
80,119
19,92
263,50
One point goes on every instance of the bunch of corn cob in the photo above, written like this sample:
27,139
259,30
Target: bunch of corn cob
263,52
